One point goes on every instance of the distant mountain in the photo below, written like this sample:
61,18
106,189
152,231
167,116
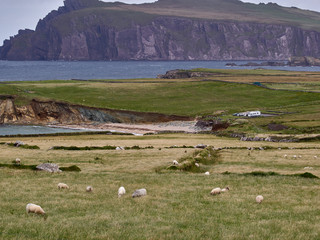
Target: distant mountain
168,30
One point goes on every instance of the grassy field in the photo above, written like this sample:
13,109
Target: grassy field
178,204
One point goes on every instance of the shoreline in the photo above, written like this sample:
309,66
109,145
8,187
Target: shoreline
135,129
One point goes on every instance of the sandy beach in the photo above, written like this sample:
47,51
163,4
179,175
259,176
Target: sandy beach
138,129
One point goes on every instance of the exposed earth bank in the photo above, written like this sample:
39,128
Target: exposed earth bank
51,112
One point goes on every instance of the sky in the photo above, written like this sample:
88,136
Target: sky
22,14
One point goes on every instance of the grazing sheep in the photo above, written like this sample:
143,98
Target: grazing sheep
207,173
259,199
33,208
285,156
294,156
308,168
197,164
89,189
139,193
175,162
215,191
63,186
121,191
226,189
17,161
315,156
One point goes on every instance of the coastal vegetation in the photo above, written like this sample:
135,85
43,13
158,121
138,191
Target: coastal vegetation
281,94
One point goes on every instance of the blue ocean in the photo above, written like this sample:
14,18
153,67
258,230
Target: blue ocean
52,70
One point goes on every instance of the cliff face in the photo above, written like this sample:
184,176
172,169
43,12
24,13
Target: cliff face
76,32
39,112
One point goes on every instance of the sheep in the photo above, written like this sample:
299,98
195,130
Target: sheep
139,193
63,186
121,191
308,168
197,164
17,161
33,208
285,156
89,189
259,199
215,191
294,156
225,189
207,173
315,156
175,162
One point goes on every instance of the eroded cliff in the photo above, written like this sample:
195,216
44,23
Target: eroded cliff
50,112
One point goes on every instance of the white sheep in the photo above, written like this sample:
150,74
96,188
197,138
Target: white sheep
121,191
175,162
207,173
226,189
294,156
259,199
285,156
197,164
33,208
63,186
308,168
89,189
215,191
315,156
17,161
139,193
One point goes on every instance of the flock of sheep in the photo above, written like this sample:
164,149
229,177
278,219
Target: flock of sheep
33,208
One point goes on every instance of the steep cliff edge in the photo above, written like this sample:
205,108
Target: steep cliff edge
168,30
49,112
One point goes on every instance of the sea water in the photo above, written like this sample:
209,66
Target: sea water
32,130
52,70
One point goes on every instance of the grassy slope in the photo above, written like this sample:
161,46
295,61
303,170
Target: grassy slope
178,205
174,97
230,10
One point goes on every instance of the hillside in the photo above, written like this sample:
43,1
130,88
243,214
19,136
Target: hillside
168,30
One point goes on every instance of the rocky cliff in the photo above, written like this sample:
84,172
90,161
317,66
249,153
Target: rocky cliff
49,112
92,30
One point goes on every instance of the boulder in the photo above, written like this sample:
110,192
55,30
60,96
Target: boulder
49,167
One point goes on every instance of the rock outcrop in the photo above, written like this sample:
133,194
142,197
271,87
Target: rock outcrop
50,112
304,61
93,30
49,167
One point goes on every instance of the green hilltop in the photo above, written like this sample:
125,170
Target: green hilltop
232,10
